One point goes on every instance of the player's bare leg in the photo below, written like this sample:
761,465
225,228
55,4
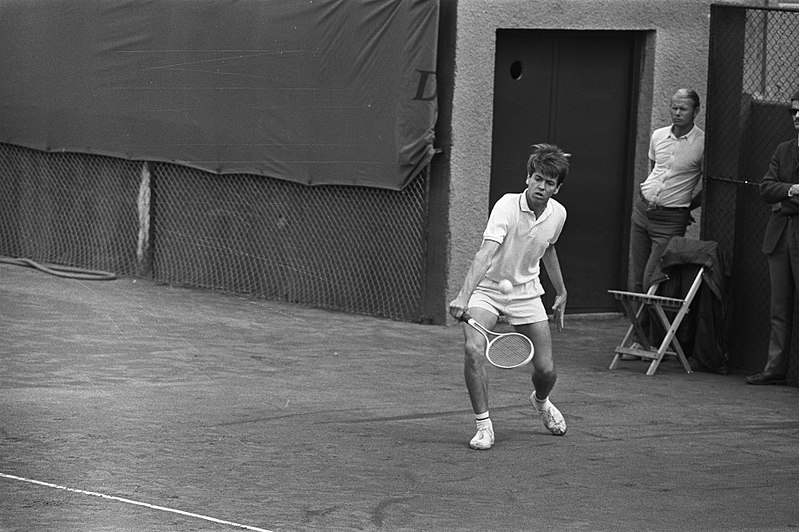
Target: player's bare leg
476,377
544,376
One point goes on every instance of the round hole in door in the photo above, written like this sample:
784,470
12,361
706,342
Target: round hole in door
516,70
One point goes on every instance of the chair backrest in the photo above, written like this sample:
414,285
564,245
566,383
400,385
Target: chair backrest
681,281
689,297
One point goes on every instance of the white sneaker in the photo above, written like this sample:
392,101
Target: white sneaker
553,419
484,439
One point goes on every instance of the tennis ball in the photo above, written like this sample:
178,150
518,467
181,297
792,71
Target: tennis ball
505,286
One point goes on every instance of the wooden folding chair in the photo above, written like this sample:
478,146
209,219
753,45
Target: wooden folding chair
636,333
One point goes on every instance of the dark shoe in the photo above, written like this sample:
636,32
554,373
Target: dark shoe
765,378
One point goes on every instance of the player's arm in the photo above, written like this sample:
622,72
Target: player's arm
552,264
477,271
696,199
696,195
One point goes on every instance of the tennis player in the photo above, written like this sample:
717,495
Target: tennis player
521,233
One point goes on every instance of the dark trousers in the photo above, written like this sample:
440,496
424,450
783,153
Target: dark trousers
783,269
651,230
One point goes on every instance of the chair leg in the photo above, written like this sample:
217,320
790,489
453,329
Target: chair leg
669,339
635,332
617,358
640,333
681,356
673,338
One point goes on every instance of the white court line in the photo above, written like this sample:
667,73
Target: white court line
137,503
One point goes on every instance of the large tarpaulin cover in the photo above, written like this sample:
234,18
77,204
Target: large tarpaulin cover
311,91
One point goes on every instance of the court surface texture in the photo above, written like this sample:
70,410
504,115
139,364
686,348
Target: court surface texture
128,406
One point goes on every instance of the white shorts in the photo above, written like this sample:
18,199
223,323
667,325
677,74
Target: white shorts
522,305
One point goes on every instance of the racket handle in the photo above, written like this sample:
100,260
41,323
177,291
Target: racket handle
465,317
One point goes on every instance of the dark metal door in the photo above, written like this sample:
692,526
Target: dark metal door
577,90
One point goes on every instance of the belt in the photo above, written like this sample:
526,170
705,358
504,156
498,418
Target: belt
652,207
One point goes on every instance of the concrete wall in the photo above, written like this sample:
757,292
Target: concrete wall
676,56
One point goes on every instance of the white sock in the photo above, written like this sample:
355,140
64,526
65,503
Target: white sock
539,401
483,420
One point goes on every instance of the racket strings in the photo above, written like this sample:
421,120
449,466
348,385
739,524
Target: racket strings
509,350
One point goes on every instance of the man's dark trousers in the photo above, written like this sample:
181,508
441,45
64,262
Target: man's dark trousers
783,268
650,233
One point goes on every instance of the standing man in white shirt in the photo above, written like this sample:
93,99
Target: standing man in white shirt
671,190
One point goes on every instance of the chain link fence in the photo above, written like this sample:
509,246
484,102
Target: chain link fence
754,55
68,209
355,249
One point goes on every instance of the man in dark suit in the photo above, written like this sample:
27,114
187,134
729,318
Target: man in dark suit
780,188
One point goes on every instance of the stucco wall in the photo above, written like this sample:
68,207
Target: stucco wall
676,56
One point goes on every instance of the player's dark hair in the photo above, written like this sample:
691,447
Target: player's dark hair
548,160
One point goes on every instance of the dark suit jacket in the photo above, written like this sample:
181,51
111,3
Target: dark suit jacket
783,171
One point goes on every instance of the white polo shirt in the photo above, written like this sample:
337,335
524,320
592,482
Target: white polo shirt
678,167
523,239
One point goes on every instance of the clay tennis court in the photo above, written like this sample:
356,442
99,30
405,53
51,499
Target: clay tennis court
126,405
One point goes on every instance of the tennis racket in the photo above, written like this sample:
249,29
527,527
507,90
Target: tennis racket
505,350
